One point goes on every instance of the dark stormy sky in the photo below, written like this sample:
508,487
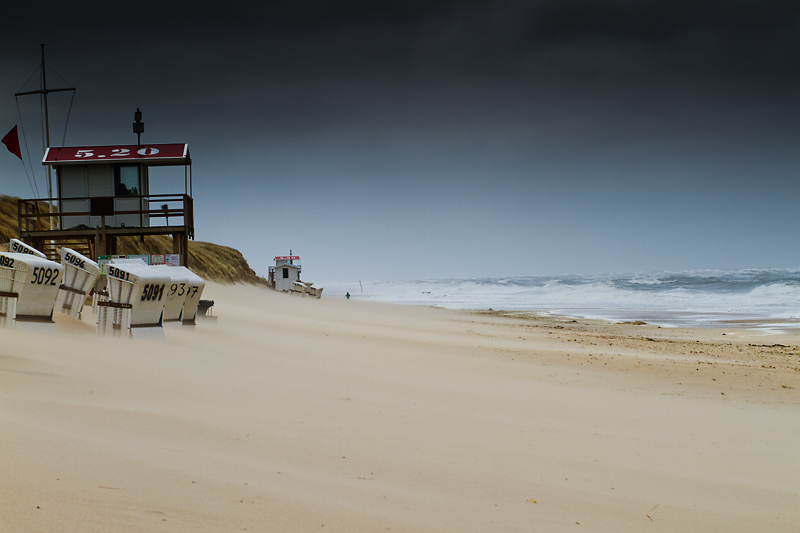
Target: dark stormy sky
436,139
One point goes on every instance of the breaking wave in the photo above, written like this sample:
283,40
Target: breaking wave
668,298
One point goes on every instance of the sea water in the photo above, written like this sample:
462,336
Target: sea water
765,298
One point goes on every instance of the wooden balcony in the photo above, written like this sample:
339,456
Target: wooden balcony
97,222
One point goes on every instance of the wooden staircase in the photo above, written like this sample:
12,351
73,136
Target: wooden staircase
52,248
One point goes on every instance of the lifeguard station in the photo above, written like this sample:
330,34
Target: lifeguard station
104,194
285,277
285,272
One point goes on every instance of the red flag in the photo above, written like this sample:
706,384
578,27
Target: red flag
11,140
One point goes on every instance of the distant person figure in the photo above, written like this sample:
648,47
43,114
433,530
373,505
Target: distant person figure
348,295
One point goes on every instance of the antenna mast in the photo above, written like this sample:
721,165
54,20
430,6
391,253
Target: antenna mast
44,92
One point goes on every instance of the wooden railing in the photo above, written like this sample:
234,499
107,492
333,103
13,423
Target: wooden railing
169,211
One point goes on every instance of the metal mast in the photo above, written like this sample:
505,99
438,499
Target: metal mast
44,91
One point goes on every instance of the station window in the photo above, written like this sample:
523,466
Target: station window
126,180
285,273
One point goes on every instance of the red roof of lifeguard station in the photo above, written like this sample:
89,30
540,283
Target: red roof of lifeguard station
152,154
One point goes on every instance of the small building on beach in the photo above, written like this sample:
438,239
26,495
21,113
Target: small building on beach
285,273
285,277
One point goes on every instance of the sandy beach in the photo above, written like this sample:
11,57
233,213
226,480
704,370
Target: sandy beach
290,414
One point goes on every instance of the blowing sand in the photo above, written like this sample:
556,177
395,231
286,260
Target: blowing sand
288,414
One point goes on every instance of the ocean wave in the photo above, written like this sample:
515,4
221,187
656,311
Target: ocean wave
755,293
649,281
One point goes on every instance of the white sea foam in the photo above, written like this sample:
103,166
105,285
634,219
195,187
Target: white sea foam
668,298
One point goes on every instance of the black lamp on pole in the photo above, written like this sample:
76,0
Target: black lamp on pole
138,126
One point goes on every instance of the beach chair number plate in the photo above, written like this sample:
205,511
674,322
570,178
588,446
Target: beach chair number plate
152,292
45,276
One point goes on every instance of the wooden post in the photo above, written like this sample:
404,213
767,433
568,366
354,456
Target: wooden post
186,250
100,242
103,233
38,244
180,246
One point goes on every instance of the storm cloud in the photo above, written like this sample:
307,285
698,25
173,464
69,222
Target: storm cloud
500,138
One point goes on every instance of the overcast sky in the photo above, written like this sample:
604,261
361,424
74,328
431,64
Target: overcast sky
437,139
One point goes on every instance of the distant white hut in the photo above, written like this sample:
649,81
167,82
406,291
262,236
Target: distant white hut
285,277
285,272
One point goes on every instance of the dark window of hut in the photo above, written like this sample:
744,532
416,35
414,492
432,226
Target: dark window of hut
285,273
126,180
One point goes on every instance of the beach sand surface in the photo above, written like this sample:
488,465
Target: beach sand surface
292,414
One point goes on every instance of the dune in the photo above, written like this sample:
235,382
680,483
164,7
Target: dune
291,414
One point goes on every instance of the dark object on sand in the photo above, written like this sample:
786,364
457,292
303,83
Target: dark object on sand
203,307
